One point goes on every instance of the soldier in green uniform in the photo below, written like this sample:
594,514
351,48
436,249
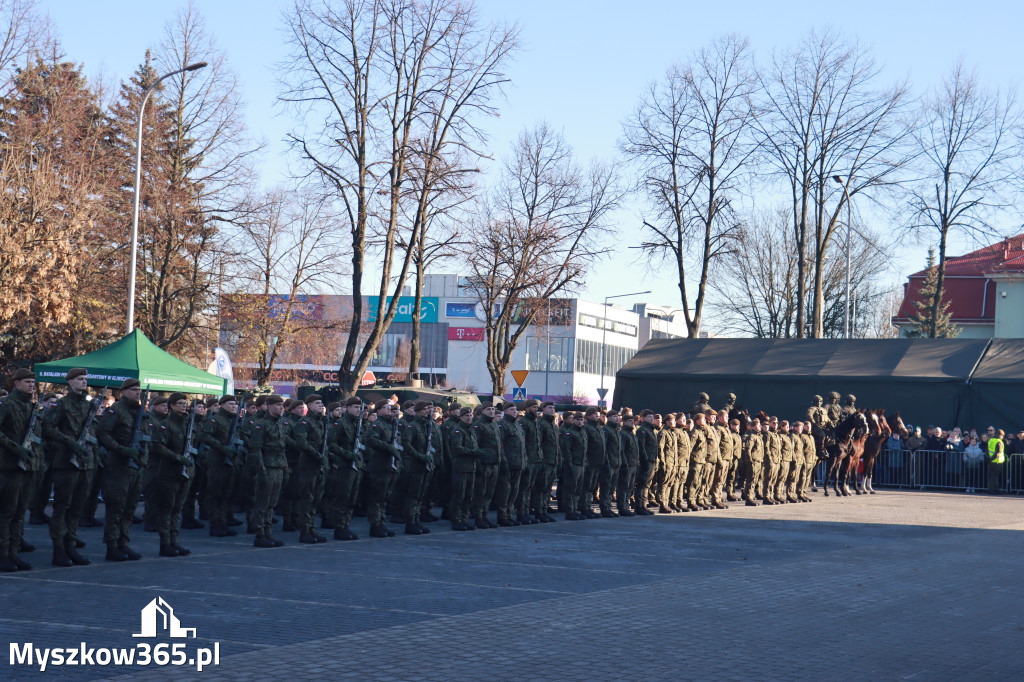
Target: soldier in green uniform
383,464
195,501
833,409
270,464
157,412
417,465
753,458
698,457
772,461
647,442
452,421
530,424
666,463
489,442
849,405
175,468
797,469
510,474
346,466
712,462
810,462
465,451
630,454
724,461
702,404
73,450
573,446
786,456
287,507
594,462
608,480
245,479
550,453
737,449
307,434
677,493
219,455
122,482
17,463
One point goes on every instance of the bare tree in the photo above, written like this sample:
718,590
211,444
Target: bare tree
824,117
286,254
377,83
971,166
690,138
540,233
22,34
755,286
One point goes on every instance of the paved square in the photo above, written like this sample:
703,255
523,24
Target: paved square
899,585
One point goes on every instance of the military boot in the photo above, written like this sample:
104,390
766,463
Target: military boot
60,557
20,563
307,538
263,541
114,553
166,549
344,534
26,547
129,552
71,552
378,531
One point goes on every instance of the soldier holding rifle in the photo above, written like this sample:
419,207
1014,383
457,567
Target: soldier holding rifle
18,419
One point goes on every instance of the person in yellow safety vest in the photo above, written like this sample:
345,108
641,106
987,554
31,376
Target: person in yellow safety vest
996,457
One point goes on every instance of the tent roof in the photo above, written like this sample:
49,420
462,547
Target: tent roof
800,359
1004,362
135,357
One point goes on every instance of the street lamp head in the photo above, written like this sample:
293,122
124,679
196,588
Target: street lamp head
197,65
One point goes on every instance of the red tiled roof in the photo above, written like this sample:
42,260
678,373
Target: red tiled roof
966,287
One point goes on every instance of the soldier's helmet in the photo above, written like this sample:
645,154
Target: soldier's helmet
833,395
704,397
817,400
731,397
851,399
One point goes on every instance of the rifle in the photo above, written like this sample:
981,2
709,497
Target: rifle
30,438
188,451
359,430
395,444
430,445
138,437
323,444
234,442
86,437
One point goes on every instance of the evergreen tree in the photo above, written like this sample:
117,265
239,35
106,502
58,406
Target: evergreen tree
924,325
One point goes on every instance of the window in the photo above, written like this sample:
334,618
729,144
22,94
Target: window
605,323
588,357
549,355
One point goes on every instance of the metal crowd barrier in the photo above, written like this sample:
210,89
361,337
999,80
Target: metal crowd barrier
938,469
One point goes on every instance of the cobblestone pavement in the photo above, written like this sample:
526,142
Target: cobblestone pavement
891,586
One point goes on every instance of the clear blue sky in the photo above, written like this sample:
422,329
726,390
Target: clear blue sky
583,66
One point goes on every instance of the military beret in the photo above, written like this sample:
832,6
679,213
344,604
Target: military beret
289,403
211,401
592,410
158,400
611,412
130,383
546,403
455,407
353,401
532,402
506,406
22,373
628,416
422,405
710,412
274,399
331,407
735,422
644,413
465,410
259,401
75,372
227,398
313,397
175,397
381,405
569,415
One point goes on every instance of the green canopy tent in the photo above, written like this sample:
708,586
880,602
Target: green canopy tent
135,357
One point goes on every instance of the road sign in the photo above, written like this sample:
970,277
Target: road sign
520,375
602,403
518,394
601,393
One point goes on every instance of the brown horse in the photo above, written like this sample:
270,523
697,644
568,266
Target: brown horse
878,433
849,444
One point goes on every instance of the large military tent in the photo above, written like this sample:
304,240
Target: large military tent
135,357
930,381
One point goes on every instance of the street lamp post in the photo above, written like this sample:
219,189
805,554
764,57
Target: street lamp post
849,229
138,177
604,328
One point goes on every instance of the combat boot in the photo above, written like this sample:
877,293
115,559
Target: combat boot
378,531
7,566
484,522
626,512
220,532
412,529
232,521
505,522
751,503
20,563
263,541
60,557
71,552
192,524
38,518
26,547
307,538
167,549
459,526
114,553
423,529
344,534
277,543
128,551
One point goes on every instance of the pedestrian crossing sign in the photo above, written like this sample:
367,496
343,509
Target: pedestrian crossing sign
518,394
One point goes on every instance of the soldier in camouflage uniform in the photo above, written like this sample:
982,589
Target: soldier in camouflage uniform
72,465
677,493
630,451
698,457
465,451
849,405
345,452
702,404
547,432
573,446
158,410
17,464
174,467
270,464
122,483
609,478
785,462
772,461
712,462
724,461
810,463
417,465
307,434
796,471
530,424
220,465
833,409
510,473
737,450
383,463
753,459
489,442
666,464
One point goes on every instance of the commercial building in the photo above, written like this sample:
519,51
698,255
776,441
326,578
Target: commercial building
572,352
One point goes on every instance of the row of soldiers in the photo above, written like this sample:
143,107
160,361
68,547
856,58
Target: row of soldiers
301,458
